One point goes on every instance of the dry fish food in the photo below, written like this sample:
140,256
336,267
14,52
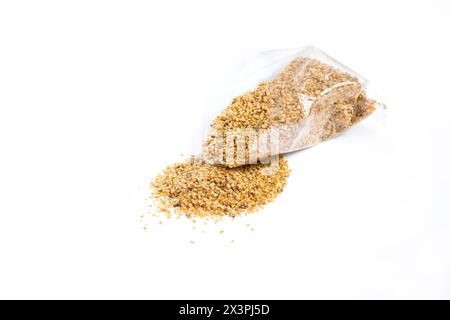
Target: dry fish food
197,189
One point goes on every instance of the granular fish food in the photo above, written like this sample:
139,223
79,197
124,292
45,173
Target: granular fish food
197,189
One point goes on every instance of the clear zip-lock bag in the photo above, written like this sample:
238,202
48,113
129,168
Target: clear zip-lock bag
295,99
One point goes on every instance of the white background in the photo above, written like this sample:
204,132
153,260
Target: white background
96,97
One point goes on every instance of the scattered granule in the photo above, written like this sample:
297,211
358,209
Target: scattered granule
221,232
160,222
196,189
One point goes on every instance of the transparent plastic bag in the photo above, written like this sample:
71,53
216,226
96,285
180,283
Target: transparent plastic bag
302,97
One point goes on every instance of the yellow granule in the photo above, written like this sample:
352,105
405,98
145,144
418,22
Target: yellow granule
196,189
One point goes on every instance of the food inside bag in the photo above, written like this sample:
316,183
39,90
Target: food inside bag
311,98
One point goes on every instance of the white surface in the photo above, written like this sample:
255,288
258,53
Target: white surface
97,96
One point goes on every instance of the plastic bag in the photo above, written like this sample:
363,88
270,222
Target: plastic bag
305,97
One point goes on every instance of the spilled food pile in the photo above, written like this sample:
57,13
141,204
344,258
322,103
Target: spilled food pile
197,189
242,167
